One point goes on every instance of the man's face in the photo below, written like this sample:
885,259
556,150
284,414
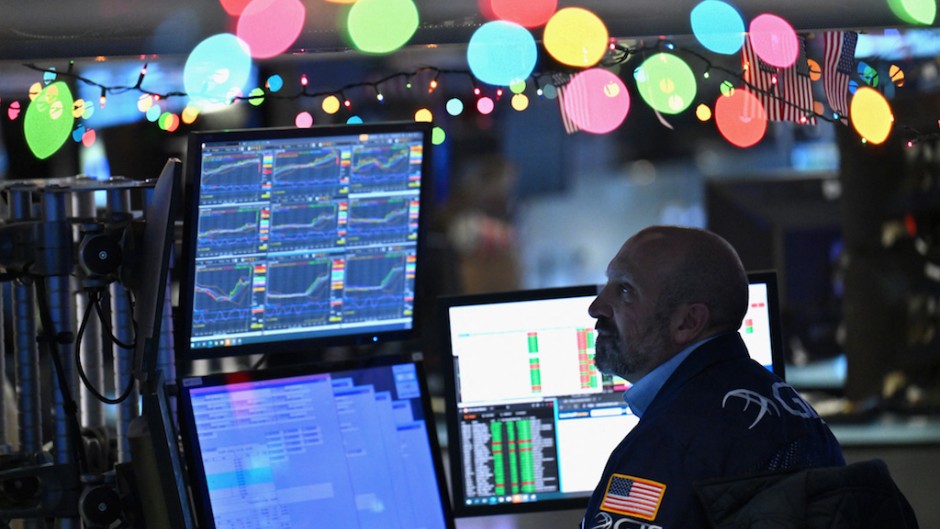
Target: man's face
633,329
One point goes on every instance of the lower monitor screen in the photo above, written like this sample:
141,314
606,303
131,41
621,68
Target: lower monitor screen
531,420
345,446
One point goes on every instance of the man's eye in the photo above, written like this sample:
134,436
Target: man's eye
626,290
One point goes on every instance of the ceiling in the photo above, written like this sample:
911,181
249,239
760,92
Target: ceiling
75,29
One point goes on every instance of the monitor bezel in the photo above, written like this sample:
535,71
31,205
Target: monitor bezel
187,263
454,448
190,441
769,278
156,412
153,269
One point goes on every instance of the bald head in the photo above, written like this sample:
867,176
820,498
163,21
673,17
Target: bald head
696,266
667,288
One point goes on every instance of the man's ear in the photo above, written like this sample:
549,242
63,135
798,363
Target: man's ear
689,323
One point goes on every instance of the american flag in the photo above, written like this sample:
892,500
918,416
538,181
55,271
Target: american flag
561,81
761,80
796,89
786,93
838,65
632,496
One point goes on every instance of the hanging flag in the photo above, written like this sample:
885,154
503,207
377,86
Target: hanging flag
839,64
786,93
761,80
561,81
796,89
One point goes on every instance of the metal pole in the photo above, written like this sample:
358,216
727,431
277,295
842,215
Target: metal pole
92,344
56,266
57,259
26,361
122,324
5,446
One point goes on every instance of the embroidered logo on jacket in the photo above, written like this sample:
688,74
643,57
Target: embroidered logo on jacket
631,496
792,402
602,520
764,404
785,396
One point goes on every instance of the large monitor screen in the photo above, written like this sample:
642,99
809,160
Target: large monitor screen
301,235
349,445
531,421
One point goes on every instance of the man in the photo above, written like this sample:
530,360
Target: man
667,321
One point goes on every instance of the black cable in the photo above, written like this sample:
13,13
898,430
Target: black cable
94,301
107,326
51,339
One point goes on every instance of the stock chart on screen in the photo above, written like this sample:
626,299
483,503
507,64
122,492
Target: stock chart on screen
302,235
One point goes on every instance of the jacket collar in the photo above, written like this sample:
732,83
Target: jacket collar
722,348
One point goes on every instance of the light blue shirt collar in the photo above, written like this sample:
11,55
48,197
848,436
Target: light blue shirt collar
641,394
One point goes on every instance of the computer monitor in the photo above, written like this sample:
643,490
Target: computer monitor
349,444
531,421
149,274
761,328
295,238
157,463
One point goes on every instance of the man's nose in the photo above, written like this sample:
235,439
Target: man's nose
598,307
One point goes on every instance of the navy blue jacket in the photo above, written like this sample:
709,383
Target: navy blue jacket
858,496
719,415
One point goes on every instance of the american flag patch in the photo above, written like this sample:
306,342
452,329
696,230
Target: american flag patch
631,496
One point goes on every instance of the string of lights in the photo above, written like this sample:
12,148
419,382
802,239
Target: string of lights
105,89
617,54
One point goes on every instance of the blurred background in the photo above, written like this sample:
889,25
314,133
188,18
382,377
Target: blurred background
521,200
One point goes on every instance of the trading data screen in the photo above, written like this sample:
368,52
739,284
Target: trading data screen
343,448
526,400
303,237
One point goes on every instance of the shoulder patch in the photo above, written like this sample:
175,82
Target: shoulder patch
632,496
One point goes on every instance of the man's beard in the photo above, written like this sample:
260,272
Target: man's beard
628,358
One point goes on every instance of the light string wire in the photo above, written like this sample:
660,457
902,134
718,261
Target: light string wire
618,54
